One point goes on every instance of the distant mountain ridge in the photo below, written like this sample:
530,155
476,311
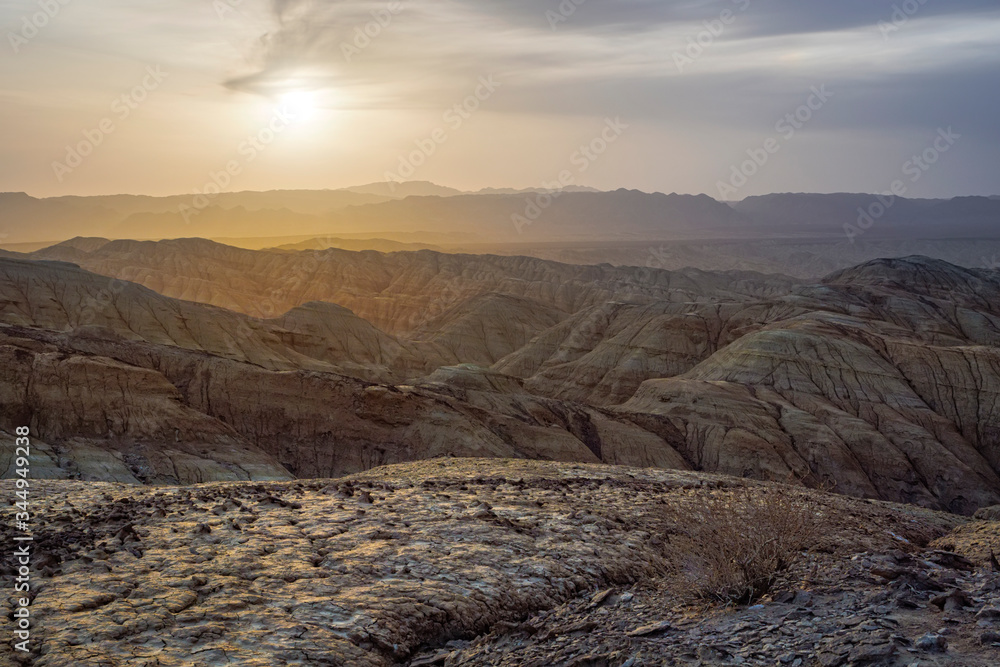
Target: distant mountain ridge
874,216
393,190
496,215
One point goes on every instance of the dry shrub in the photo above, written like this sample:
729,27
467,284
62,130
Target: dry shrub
731,547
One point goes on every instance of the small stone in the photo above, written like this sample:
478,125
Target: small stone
989,614
871,652
784,597
887,573
990,637
932,642
651,629
707,654
432,660
803,599
952,561
832,659
954,601
600,597
988,514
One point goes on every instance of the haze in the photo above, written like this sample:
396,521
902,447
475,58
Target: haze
200,78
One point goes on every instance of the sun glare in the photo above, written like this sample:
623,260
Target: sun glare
300,105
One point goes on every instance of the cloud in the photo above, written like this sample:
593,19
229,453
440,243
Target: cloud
765,17
608,58
430,49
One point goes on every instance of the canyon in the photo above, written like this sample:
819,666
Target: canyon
188,361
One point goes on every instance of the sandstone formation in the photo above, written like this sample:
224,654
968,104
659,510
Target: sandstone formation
396,292
484,329
888,385
882,381
60,297
140,402
202,380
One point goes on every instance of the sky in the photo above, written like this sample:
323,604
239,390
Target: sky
730,98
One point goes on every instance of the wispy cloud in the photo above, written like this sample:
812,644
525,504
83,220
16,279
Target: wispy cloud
609,58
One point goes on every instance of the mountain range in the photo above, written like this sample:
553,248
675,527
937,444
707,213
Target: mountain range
497,216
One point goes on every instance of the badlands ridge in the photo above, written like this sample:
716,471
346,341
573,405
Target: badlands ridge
181,362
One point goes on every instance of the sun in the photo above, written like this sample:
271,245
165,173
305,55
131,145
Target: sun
299,104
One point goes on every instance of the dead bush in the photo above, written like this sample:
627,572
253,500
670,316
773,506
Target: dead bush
732,546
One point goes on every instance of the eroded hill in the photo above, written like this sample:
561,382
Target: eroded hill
881,381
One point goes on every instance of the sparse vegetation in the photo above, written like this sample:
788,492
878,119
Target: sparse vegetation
733,546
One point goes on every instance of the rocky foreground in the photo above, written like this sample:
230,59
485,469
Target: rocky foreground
484,562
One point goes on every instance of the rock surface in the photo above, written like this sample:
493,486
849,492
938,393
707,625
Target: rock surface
477,562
